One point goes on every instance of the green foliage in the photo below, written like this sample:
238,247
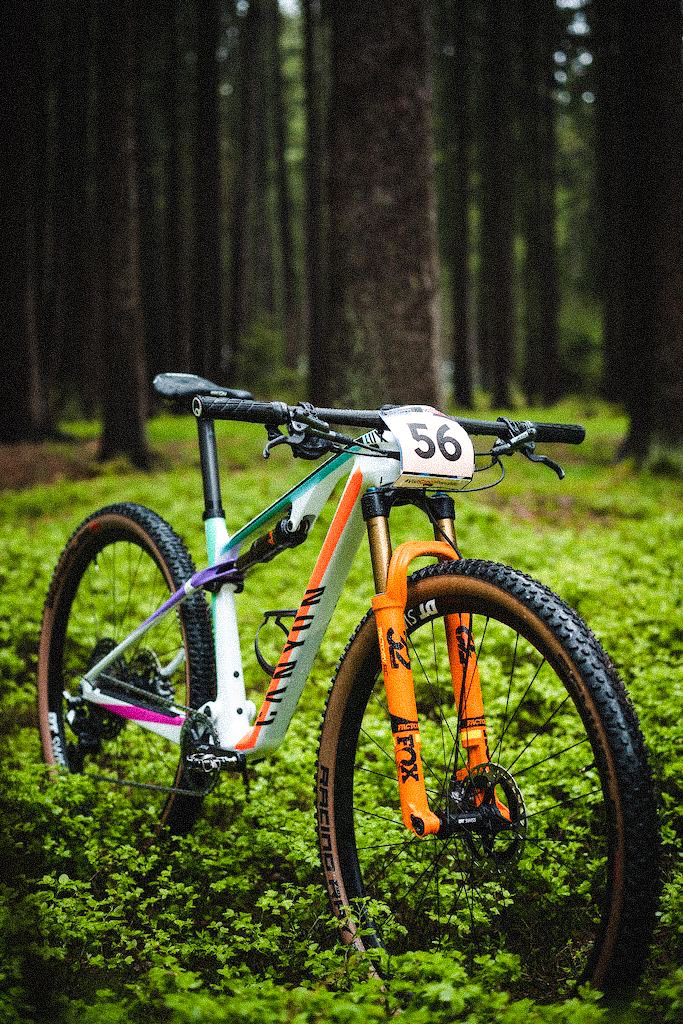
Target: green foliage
102,924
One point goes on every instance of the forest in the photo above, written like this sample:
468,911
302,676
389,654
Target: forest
301,199
470,204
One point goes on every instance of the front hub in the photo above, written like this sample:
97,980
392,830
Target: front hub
486,808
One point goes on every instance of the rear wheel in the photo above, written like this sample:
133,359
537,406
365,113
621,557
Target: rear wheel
119,566
566,877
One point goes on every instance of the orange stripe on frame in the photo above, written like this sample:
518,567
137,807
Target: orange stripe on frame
341,517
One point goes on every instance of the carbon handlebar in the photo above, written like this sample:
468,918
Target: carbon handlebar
280,414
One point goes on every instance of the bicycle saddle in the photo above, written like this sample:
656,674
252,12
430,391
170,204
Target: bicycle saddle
180,388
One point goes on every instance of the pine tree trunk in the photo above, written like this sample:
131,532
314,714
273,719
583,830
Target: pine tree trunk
177,228
541,374
152,277
22,387
243,189
457,136
261,235
74,208
290,286
496,168
44,177
124,376
613,171
653,341
315,254
208,270
382,317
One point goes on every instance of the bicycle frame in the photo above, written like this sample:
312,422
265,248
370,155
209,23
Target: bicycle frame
230,711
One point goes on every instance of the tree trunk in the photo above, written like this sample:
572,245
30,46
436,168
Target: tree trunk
261,235
74,209
208,268
22,390
382,319
290,286
652,347
177,228
541,373
457,140
243,188
315,262
496,168
613,172
124,375
149,33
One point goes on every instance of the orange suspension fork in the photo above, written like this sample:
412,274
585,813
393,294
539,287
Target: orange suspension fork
389,608
462,657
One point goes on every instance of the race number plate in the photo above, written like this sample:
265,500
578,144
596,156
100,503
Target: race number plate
435,450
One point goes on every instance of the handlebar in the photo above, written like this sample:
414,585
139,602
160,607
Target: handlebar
280,414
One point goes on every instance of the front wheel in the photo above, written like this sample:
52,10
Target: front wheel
570,887
119,566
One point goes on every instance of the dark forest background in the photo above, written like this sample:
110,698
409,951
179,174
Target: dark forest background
476,203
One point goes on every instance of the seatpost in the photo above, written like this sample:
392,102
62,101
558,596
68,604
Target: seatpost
213,508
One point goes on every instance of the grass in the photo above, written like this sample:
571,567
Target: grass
230,922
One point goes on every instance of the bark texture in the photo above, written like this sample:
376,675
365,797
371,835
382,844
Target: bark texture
382,320
243,189
541,376
290,284
124,373
643,185
23,408
208,318
315,249
178,232
496,169
456,129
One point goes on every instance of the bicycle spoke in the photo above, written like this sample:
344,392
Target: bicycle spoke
498,749
551,757
563,803
538,731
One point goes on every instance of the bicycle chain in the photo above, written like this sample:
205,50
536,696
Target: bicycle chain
195,718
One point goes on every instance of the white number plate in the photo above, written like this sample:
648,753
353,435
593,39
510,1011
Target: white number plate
435,450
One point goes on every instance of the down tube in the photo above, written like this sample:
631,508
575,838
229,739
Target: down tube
311,621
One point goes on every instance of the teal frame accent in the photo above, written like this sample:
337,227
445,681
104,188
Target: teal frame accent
263,518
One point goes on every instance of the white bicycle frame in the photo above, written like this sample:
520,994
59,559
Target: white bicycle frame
232,715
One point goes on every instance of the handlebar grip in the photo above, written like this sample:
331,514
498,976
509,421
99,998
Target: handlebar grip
351,417
271,413
566,433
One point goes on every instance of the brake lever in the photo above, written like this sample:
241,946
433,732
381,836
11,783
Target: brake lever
527,451
303,444
274,439
523,442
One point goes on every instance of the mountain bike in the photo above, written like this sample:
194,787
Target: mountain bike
481,783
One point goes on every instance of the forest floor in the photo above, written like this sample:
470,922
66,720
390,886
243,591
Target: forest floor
230,923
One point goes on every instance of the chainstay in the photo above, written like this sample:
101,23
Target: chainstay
181,790
193,714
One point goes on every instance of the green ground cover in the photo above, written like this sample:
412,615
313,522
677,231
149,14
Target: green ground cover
231,922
